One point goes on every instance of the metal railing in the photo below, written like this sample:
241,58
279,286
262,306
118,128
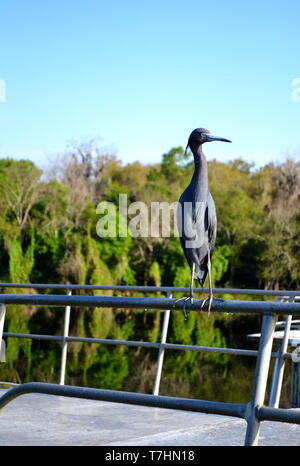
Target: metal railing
150,289
161,346
65,338
254,412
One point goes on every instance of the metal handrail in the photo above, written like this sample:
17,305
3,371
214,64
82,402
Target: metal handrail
145,344
254,412
161,346
151,289
218,305
187,404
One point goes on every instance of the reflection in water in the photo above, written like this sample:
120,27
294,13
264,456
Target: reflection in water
189,374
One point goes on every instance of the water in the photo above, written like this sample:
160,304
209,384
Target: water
208,376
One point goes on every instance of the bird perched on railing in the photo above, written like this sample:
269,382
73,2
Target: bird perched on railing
196,216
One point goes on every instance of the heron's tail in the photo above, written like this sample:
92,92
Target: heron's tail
200,274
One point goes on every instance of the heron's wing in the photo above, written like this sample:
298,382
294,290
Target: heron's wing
190,218
211,222
197,223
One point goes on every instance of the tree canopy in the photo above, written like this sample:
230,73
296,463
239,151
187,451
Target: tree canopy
48,234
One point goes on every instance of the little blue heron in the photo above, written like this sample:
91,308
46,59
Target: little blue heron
197,219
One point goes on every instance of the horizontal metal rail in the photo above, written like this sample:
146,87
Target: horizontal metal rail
215,407
146,344
210,407
218,305
151,289
265,413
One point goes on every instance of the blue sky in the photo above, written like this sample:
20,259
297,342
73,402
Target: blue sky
141,75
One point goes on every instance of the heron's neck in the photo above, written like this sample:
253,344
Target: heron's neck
200,176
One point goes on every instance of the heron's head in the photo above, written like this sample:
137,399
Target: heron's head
200,136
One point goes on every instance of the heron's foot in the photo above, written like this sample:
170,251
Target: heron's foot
209,300
185,299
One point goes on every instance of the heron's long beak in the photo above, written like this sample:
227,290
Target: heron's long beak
216,138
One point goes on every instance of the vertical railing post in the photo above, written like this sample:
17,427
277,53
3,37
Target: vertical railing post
2,342
260,378
161,351
65,343
279,366
295,385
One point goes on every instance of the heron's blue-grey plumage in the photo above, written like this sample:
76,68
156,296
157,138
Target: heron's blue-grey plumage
197,218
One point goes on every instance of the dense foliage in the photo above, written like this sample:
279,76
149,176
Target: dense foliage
48,235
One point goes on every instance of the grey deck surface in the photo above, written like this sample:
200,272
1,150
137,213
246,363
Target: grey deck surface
36,419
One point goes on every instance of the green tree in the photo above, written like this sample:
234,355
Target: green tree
19,189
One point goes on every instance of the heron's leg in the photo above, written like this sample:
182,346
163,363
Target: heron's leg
191,297
192,283
210,295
